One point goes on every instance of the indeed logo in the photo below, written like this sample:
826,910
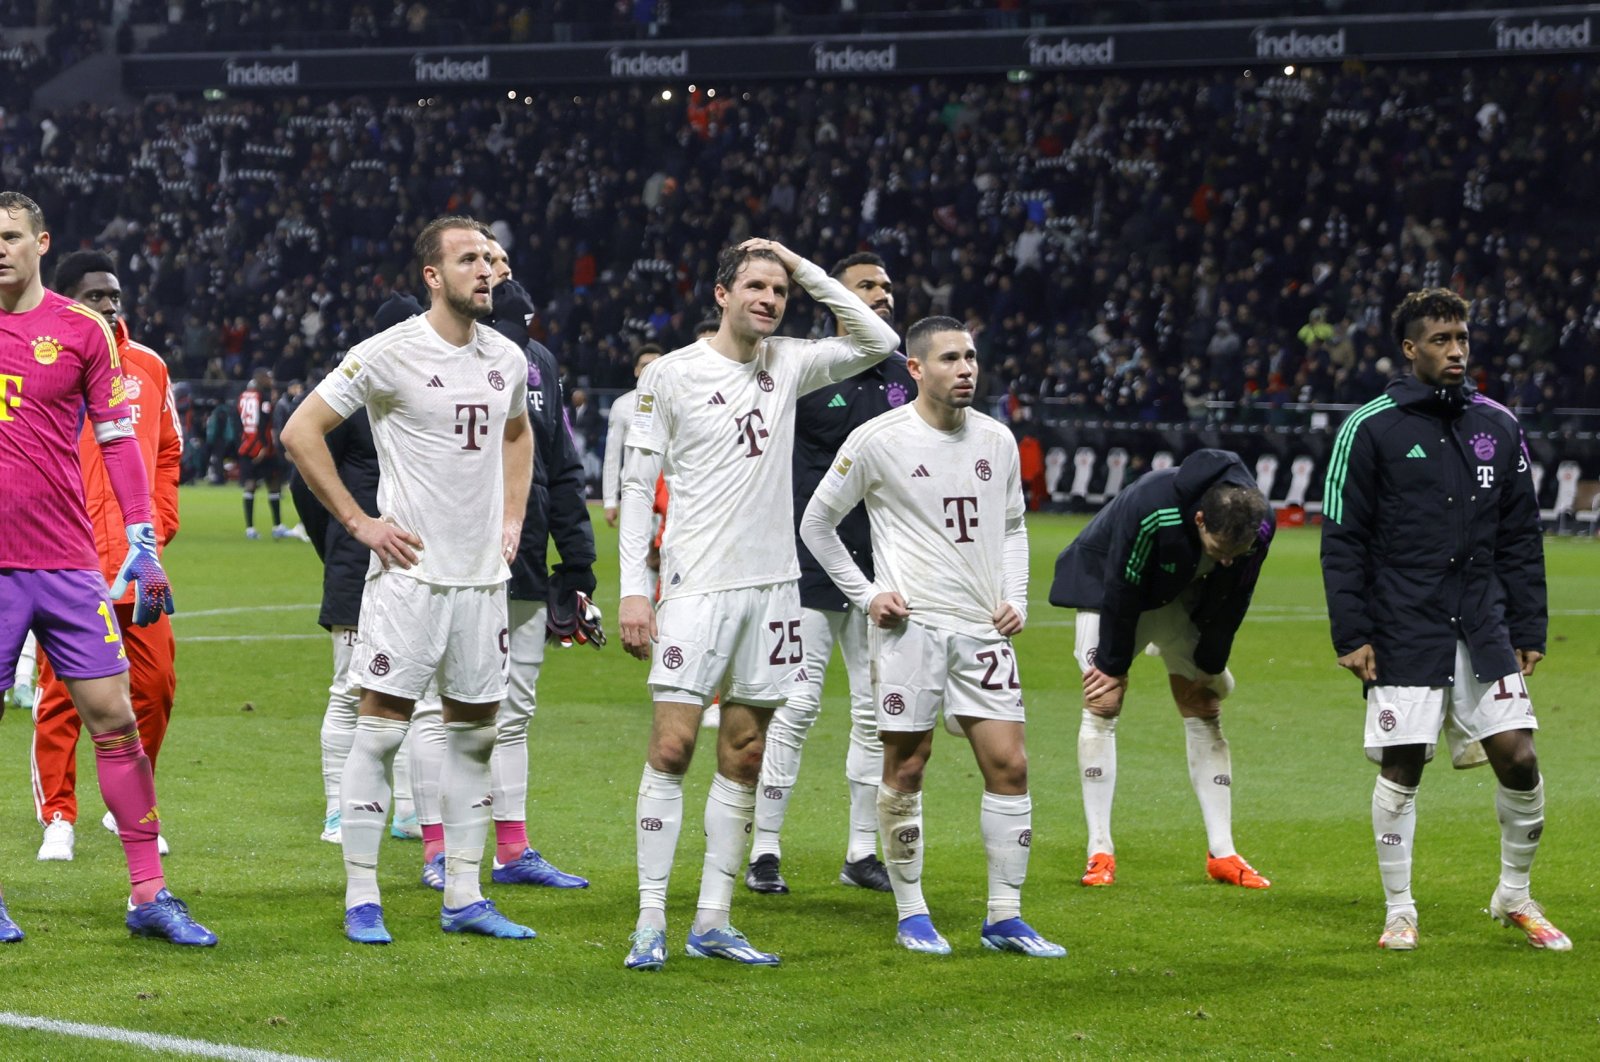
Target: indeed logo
643,64
1071,53
848,60
1537,36
449,70
262,75
1297,45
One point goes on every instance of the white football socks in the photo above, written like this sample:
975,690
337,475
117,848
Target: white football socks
863,765
404,795
900,823
464,804
1394,824
1007,826
364,803
730,807
1097,768
508,770
657,822
780,766
1211,774
1521,816
427,749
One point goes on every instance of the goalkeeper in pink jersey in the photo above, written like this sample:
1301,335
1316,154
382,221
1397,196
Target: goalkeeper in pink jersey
58,361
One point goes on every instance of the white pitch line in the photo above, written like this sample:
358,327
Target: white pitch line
180,614
149,1041
1311,616
187,638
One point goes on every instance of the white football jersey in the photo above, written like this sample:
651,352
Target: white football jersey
616,439
725,431
939,504
438,422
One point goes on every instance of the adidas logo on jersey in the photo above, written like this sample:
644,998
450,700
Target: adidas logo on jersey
921,472
717,400
1417,451
838,402
435,382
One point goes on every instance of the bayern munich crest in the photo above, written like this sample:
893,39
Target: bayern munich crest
764,380
497,381
897,395
894,704
534,379
672,658
983,470
909,835
1386,720
1483,446
380,664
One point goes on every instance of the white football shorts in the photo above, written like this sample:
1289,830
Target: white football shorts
413,632
1167,632
1466,713
744,645
917,671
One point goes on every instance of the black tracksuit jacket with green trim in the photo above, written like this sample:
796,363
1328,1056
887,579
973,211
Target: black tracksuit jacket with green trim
1142,550
1431,535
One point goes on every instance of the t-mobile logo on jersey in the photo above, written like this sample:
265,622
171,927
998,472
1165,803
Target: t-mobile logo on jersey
10,394
751,432
476,426
964,519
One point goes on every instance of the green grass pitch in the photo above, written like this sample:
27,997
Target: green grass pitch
1164,964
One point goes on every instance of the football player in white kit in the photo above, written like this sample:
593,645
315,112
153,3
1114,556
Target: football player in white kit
943,489
717,417
447,397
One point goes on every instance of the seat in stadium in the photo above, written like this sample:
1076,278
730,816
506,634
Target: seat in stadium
1055,466
1162,459
1116,474
1266,473
1299,482
1082,469
1562,511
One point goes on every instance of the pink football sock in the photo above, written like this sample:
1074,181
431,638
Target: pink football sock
432,839
510,839
129,790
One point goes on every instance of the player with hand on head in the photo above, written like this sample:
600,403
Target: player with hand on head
59,362
90,277
718,417
823,419
1169,566
943,490
1433,564
447,398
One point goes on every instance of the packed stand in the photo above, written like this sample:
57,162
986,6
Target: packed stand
1139,249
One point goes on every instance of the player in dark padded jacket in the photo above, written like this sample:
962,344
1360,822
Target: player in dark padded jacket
823,419
1171,564
1433,563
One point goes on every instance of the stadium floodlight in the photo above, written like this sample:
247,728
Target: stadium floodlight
1288,71
511,94
666,94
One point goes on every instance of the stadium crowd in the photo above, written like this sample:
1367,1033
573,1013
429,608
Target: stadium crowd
1139,248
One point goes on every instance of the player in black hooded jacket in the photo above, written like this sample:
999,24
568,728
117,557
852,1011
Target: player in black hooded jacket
1433,563
1170,563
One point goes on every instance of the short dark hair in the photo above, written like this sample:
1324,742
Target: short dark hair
646,350
710,324
730,261
918,335
16,201
430,241
72,268
1439,304
866,258
1234,513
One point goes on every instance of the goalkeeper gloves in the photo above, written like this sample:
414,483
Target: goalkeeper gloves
574,619
152,594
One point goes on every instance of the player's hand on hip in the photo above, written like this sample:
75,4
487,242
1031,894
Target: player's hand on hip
1528,659
888,609
395,546
636,621
1103,690
1007,620
788,258
510,538
1363,663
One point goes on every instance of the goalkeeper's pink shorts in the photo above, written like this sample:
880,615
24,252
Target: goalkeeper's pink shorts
70,613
